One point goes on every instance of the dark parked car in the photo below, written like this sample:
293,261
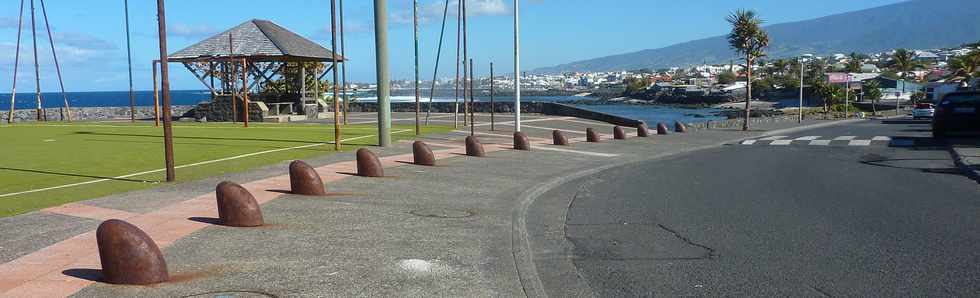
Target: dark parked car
957,112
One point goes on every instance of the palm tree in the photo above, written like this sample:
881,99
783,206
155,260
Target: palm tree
750,40
872,91
966,67
904,61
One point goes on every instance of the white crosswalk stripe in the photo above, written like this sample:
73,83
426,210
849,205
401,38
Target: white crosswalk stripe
826,141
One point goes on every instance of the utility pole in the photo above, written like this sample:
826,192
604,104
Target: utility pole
418,106
336,99
168,134
467,76
517,65
459,19
129,58
472,105
383,78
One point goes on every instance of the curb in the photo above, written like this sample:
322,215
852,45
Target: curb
960,162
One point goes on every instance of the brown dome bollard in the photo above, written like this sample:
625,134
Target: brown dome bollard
368,164
619,133
128,255
304,180
559,138
591,136
679,127
236,206
662,129
642,130
423,154
521,142
474,148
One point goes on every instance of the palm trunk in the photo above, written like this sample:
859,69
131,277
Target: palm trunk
748,93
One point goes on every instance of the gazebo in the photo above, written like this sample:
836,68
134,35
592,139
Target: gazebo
262,63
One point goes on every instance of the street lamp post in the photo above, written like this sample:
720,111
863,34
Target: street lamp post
801,90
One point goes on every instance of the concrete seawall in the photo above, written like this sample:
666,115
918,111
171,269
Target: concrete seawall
93,113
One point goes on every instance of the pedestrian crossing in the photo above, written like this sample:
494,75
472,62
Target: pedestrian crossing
850,141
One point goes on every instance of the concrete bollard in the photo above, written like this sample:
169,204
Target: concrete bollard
661,128
474,147
619,133
236,206
128,255
304,180
643,131
680,127
423,154
559,138
591,136
368,164
521,142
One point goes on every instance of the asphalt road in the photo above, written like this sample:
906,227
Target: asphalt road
891,218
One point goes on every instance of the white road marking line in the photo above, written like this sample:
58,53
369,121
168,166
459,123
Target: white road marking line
880,138
844,138
749,142
820,143
189,165
807,138
773,138
859,143
781,143
548,148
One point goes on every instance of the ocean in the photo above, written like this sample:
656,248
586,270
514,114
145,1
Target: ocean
648,113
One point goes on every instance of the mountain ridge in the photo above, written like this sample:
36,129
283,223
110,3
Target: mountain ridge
934,24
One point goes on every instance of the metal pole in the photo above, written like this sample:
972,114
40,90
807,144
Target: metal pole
459,16
41,114
343,66
168,135
517,65
432,91
847,96
418,106
231,76
383,79
491,98
801,91
472,105
333,52
57,66
245,89
13,90
467,76
156,97
129,59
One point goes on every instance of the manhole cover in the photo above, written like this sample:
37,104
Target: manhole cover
441,213
231,294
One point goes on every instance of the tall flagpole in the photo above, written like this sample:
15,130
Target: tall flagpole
517,65
459,16
41,113
168,134
418,106
129,57
466,76
343,66
333,51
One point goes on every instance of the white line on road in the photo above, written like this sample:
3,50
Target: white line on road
844,138
546,148
859,143
820,143
880,138
749,142
807,138
188,165
773,138
781,143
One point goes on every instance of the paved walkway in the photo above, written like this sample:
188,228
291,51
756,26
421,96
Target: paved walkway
451,230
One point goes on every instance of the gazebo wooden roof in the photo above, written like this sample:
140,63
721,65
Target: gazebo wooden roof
258,41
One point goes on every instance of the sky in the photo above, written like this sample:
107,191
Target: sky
90,37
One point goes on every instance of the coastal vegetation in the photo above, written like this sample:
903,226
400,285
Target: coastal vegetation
125,157
748,39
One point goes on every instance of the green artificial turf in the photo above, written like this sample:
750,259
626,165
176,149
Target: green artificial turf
38,156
